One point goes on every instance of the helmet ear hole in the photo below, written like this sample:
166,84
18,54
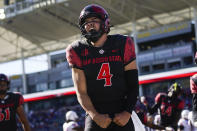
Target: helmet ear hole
107,25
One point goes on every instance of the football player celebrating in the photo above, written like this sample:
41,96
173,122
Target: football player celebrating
10,105
193,87
104,73
170,106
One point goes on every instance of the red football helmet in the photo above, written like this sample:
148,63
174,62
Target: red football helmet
97,11
3,77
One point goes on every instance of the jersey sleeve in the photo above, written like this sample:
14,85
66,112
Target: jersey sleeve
73,58
193,84
129,51
20,100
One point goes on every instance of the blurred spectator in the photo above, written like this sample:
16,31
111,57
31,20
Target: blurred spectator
183,124
190,116
51,119
71,123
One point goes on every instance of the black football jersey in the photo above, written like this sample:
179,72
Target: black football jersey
169,108
8,107
104,69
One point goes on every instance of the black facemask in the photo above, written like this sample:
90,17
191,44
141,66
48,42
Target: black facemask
93,35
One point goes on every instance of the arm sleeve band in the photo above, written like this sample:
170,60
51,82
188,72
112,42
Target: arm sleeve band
132,84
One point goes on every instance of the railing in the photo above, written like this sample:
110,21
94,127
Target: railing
25,7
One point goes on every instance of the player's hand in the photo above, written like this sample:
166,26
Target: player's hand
122,118
102,120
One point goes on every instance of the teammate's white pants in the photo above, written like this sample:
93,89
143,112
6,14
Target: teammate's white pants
137,123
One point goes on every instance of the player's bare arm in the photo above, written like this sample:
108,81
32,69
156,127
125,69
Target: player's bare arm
79,79
21,113
131,66
122,118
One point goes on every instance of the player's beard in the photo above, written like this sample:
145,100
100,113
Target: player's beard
3,92
94,35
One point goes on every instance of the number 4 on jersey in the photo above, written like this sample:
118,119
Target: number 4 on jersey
104,73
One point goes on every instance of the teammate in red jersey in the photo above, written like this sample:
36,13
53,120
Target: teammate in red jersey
193,87
170,106
10,105
104,73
